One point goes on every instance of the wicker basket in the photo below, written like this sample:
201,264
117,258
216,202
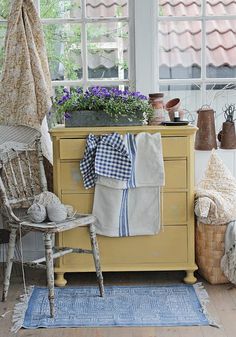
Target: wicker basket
209,251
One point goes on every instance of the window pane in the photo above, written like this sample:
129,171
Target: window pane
216,7
60,8
2,40
180,49
217,95
63,44
221,48
106,8
190,97
179,8
4,9
108,50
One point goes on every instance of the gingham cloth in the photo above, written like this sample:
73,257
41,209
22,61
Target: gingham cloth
107,156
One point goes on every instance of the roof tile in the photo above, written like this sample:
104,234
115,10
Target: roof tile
180,42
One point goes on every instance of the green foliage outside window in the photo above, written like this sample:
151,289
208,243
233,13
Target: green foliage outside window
63,41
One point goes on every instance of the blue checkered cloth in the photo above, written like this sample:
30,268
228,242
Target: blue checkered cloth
105,155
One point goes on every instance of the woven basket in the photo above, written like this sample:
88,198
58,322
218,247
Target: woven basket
209,251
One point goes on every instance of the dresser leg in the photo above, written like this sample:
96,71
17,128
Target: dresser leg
60,281
190,278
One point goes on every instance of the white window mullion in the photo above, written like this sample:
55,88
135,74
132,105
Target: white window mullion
84,45
157,67
145,45
80,20
198,80
196,18
132,59
203,55
109,82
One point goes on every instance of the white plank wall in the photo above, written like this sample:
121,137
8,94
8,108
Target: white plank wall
33,244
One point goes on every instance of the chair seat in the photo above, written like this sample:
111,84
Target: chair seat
79,220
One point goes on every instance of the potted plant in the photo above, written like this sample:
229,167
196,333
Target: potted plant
99,106
227,135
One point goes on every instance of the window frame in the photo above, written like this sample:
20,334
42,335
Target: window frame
85,81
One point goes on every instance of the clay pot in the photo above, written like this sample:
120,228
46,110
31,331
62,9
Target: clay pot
227,136
172,106
206,135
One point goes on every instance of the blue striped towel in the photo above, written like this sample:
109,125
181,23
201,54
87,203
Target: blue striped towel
126,208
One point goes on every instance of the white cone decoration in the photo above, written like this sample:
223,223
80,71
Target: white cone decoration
217,189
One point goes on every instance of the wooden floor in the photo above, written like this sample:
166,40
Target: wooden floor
222,306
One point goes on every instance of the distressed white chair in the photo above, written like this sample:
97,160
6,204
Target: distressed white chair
18,187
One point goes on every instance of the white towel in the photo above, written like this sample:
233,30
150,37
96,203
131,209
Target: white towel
133,207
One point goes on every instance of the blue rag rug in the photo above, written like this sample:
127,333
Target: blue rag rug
155,305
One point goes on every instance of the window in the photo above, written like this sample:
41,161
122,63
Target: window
87,41
196,44
185,48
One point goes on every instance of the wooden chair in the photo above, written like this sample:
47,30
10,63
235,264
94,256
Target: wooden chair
18,186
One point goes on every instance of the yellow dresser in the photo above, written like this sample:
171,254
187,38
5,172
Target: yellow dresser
172,248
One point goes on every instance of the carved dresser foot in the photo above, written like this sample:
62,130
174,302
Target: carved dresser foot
60,281
190,278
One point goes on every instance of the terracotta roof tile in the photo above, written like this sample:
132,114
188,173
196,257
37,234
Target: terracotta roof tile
180,42
98,8
184,38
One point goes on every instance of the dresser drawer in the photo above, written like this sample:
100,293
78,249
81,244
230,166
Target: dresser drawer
83,203
175,146
172,147
72,148
174,205
175,208
72,178
175,176
169,246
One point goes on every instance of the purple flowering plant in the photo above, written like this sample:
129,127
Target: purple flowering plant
113,101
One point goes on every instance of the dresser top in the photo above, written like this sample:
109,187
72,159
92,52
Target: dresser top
68,132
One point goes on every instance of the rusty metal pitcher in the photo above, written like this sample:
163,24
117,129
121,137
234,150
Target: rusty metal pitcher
206,134
227,136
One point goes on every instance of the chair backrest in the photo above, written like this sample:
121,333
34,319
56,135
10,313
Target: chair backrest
22,174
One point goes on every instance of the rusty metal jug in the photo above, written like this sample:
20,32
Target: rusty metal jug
206,134
227,136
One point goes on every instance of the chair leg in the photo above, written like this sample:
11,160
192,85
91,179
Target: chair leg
10,256
50,271
96,258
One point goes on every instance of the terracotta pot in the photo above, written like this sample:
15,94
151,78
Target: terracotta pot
228,137
172,106
206,135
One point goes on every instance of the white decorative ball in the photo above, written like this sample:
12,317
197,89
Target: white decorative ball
47,198
56,212
37,213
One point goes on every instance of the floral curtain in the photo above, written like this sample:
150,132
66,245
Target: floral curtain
25,87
